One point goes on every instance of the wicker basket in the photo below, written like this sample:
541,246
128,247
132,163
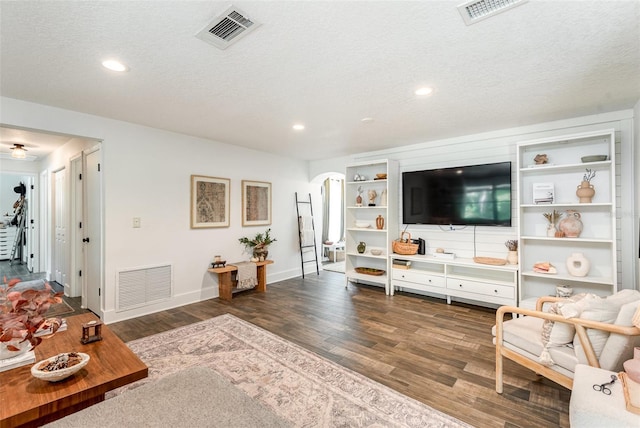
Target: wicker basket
404,246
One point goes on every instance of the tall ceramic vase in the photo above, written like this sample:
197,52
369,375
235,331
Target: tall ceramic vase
380,222
585,192
632,366
512,257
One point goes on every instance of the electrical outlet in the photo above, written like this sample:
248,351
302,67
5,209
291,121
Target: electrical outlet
136,222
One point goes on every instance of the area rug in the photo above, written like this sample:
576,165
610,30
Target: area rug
58,309
298,385
334,267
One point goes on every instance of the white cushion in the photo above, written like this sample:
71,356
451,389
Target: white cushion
603,310
524,334
619,347
598,309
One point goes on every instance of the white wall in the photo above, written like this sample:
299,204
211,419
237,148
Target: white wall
636,147
146,174
500,146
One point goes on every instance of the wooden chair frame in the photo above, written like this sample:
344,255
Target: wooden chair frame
580,325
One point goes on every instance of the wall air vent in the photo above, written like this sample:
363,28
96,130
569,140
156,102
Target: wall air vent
227,28
477,10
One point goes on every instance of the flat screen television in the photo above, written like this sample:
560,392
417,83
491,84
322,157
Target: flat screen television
466,195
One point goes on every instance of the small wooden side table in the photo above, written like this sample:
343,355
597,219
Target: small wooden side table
225,284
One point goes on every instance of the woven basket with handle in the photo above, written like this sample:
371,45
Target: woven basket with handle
404,246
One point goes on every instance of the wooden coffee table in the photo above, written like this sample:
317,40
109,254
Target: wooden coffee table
27,401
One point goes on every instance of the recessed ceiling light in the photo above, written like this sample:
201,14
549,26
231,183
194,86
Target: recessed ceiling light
424,91
298,127
366,120
114,65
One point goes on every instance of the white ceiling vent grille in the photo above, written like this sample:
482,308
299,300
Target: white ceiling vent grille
477,10
227,28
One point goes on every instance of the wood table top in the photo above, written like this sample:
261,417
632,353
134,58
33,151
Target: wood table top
230,267
24,398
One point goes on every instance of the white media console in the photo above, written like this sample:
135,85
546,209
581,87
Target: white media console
458,278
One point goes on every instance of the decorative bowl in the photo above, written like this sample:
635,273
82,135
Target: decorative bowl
61,373
381,176
363,224
593,158
376,251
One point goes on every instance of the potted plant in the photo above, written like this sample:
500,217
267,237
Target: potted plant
259,244
552,218
512,246
22,313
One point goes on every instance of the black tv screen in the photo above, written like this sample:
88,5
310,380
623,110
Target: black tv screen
466,195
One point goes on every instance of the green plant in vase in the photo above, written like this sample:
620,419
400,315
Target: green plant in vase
258,246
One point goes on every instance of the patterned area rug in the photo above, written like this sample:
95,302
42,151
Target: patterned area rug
298,385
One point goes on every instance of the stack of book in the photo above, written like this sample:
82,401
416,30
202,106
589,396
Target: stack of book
47,327
17,361
401,264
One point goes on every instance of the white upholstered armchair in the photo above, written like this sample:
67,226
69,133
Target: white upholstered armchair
585,329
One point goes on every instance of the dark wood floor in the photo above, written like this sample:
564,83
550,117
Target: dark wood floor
439,354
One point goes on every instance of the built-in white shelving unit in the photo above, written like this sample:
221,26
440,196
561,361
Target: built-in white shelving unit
565,170
365,175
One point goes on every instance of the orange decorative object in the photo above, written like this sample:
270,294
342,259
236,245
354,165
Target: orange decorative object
380,222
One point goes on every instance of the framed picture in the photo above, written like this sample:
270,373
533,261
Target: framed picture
256,203
210,200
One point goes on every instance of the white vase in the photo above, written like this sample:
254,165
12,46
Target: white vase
512,257
551,230
578,265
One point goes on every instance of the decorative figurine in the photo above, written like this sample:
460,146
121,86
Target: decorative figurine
372,197
359,197
218,262
87,337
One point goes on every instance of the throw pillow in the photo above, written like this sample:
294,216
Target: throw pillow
597,309
635,321
557,333
619,347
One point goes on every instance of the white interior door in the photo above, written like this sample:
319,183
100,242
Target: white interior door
76,279
60,227
92,230
31,247
45,218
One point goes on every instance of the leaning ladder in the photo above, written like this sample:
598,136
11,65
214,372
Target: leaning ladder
302,231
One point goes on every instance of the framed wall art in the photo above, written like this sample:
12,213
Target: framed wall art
256,203
210,200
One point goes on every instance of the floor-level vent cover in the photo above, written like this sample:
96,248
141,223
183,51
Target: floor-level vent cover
227,28
477,10
142,286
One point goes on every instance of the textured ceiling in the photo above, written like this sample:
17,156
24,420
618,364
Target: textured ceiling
327,64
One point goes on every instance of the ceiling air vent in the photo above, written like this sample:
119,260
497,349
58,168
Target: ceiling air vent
227,28
477,10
